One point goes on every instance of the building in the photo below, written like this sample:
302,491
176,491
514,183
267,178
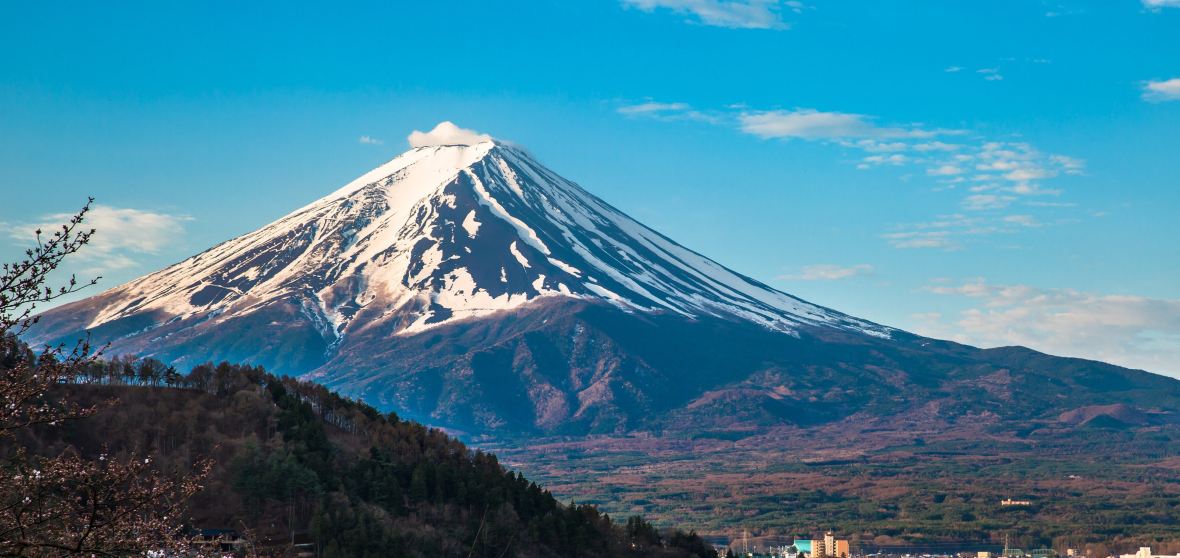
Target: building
1145,552
1011,502
220,542
829,547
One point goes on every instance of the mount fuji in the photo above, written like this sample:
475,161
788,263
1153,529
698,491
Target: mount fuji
468,286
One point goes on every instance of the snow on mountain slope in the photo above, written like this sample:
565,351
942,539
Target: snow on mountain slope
445,233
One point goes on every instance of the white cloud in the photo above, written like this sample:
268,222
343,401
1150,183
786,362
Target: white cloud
921,239
936,146
369,140
1069,165
896,159
1022,220
1133,331
948,232
992,175
1027,174
812,124
651,107
978,202
1022,167
734,14
1160,91
953,69
1160,4
875,146
945,170
446,133
1009,171
990,74
666,112
121,235
829,272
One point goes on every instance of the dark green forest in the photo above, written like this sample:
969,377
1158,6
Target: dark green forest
295,462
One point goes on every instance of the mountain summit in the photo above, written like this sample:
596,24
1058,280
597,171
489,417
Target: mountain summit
467,285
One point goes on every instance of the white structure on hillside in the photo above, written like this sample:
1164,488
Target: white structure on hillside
1145,552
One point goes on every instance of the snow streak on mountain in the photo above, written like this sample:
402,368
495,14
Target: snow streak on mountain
447,233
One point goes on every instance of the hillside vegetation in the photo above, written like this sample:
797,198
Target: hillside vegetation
294,461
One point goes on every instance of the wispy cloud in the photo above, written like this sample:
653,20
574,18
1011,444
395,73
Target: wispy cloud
666,112
733,14
122,235
369,140
991,175
990,74
813,124
1022,220
979,202
829,272
996,71
950,232
944,232
1156,5
1134,331
940,239
948,169
1164,90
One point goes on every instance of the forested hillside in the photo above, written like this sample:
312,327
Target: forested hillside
295,462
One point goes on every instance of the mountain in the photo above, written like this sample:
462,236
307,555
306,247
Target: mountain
441,234
436,240
469,287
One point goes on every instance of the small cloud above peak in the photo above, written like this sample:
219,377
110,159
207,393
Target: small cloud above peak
369,140
446,133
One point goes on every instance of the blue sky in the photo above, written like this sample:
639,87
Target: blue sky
998,172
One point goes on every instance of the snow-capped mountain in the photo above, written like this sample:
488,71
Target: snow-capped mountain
469,286
452,232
